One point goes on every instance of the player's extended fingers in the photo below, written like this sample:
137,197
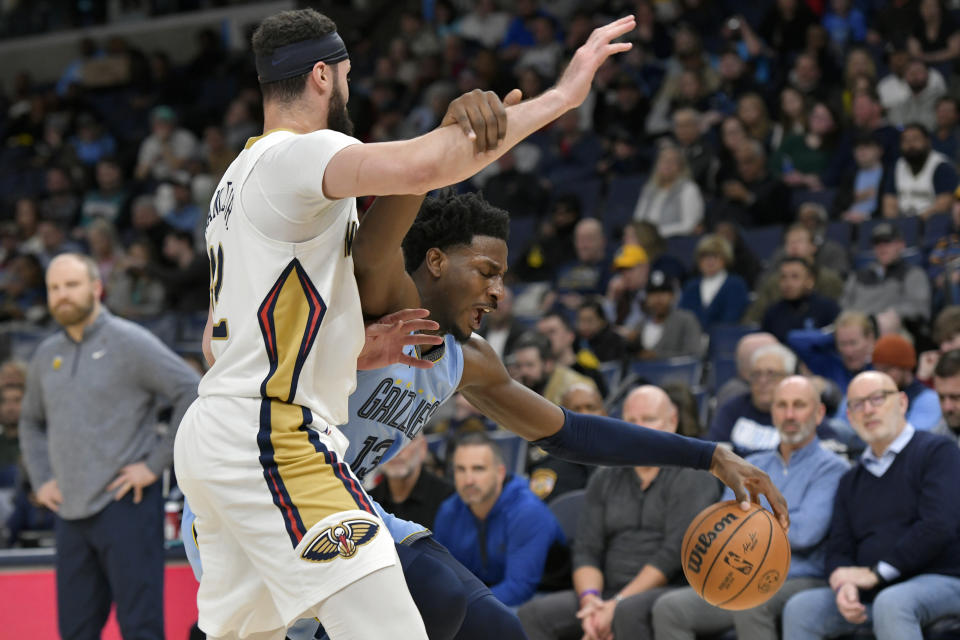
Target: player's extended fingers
512,98
776,500
479,126
403,315
137,494
421,339
417,325
614,30
118,482
499,110
491,121
416,363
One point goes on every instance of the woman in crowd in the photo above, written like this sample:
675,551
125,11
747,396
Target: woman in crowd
670,199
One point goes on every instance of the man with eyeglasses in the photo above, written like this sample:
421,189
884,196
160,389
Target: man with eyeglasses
744,420
892,552
946,382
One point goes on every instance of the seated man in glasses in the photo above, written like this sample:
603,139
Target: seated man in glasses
744,420
892,552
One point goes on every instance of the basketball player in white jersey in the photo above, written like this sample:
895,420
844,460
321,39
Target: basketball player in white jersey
283,527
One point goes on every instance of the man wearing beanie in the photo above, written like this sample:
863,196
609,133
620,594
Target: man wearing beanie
895,356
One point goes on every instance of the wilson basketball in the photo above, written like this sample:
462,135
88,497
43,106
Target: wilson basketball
735,559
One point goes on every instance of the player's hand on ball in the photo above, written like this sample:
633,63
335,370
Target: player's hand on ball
748,483
481,116
49,496
134,476
387,337
574,84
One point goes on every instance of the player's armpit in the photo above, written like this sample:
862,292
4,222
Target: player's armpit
378,264
488,387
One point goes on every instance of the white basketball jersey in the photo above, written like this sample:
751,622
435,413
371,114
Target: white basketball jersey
287,319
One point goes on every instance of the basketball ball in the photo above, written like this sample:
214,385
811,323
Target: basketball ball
735,559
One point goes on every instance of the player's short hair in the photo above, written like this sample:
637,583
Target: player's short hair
948,365
478,439
281,29
450,220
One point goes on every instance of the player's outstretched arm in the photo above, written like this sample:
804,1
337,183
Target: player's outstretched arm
599,440
445,156
384,284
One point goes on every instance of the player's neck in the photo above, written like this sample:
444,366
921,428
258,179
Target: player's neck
299,117
401,488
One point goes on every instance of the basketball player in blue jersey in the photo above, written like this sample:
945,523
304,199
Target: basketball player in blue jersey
283,526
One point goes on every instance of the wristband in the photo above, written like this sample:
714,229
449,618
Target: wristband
588,592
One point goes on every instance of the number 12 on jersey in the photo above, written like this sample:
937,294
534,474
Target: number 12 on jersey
220,330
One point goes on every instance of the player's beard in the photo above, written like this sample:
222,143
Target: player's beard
73,314
338,119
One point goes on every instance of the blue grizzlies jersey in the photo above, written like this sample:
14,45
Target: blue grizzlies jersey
391,405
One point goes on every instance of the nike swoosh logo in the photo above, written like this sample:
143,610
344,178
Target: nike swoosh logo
99,354
274,61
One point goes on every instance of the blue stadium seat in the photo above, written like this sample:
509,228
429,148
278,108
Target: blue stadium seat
163,326
521,233
722,368
622,196
514,450
823,197
724,338
24,341
935,227
840,232
682,248
909,229
588,192
686,369
612,373
566,509
763,241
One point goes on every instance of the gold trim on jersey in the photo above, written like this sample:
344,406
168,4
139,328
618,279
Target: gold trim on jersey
252,141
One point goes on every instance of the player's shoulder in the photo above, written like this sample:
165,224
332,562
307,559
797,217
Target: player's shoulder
480,362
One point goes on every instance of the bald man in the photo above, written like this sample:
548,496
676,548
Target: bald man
746,347
589,273
92,450
620,568
808,475
892,552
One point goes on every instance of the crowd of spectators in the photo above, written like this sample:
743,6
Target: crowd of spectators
782,170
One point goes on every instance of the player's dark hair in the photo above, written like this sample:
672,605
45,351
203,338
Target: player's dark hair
450,220
478,439
280,30
948,365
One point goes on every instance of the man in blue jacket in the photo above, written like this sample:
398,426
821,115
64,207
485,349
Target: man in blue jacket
495,525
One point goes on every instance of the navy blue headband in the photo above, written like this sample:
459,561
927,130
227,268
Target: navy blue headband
292,60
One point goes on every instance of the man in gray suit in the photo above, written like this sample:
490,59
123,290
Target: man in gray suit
666,331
